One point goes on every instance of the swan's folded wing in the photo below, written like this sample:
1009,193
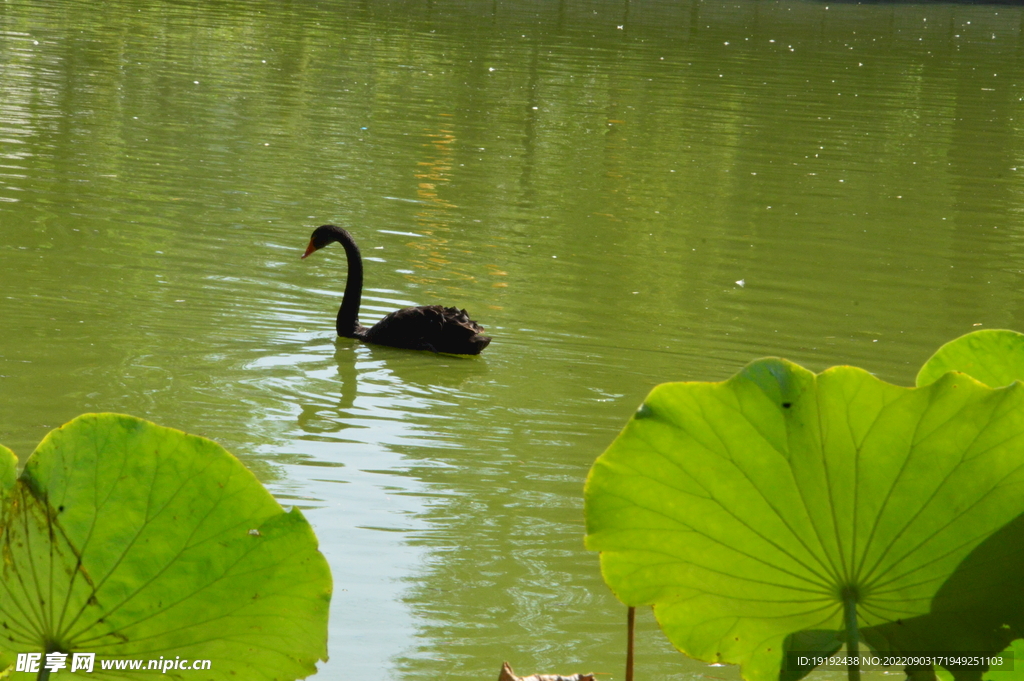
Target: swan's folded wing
432,327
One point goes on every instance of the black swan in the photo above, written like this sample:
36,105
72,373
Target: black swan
430,327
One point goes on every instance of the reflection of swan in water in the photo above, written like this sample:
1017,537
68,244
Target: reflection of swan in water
420,374
430,327
326,418
403,378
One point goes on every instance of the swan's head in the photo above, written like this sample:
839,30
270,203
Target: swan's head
323,235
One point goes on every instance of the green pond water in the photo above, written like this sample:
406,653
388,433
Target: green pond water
622,193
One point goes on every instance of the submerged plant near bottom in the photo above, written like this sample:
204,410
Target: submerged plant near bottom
129,540
783,511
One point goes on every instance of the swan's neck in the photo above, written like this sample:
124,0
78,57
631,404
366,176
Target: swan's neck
348,313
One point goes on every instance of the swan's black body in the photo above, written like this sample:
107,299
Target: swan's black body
431,327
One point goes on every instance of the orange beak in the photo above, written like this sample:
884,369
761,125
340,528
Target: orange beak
309,249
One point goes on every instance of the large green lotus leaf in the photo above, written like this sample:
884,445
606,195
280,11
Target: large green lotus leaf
745,511
993,356
129,540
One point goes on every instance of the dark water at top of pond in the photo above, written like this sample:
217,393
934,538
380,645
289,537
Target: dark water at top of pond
623,193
